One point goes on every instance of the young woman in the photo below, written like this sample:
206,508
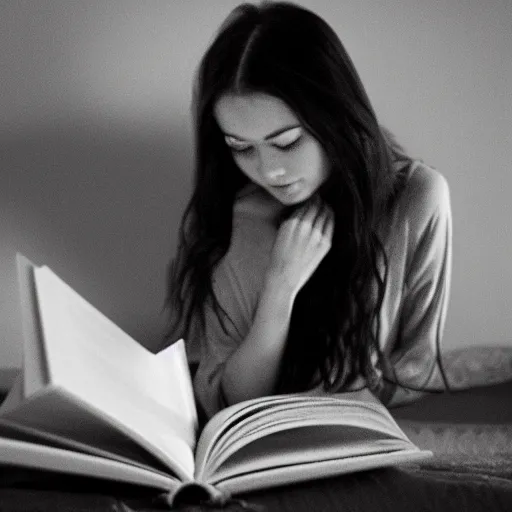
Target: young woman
314,253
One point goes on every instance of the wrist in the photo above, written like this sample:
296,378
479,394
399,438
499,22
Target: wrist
279,290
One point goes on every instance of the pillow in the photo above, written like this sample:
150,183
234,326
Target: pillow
476,366
491,440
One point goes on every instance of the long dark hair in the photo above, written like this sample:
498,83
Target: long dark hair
288,52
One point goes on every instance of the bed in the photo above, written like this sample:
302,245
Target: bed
469,431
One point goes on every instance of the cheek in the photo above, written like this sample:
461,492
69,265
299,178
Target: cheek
314,162
246,166
323,165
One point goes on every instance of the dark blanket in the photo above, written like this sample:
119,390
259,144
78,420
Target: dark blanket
443,484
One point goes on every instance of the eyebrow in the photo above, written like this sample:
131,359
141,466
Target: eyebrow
271,135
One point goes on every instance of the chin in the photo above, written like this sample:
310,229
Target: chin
290,201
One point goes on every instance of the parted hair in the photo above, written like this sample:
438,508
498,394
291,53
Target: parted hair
287,51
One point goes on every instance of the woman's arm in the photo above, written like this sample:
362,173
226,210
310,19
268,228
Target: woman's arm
252,370
416,363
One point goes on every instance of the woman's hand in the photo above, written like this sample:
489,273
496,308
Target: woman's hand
301,243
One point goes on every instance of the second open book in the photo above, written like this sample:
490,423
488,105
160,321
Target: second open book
90,400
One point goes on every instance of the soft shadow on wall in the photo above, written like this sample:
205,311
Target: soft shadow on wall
100,204
95,151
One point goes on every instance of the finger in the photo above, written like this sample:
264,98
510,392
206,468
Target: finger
300,210
309,212
321,215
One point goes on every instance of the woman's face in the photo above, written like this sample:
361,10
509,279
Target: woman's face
271,147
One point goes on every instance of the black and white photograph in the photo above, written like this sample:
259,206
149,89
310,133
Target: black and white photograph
255,256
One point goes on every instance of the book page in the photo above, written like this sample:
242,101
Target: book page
35,373
256,418
173,363
267,419
71,426
14,431
301,423
274,477
227,419
30,455
304,444
121,381
257,425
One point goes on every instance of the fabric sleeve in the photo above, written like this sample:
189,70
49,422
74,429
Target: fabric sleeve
219,341
415,361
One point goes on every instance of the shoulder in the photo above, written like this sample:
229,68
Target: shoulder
425,196
427,183
421,209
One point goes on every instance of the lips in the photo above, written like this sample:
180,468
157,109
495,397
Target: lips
285,184
289,190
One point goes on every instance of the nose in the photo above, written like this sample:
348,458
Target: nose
270,166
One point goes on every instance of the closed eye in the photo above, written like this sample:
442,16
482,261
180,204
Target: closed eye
285,141
247,148
240,149
243,150
289,146
288,139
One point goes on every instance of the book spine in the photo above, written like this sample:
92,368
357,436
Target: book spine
196,493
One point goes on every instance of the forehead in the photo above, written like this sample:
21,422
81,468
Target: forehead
253,116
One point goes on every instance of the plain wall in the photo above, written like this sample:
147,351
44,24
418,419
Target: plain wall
96,146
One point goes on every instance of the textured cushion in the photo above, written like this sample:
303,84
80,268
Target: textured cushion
452,439
478,366
474,420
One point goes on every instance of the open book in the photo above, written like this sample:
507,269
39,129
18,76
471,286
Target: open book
90,400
